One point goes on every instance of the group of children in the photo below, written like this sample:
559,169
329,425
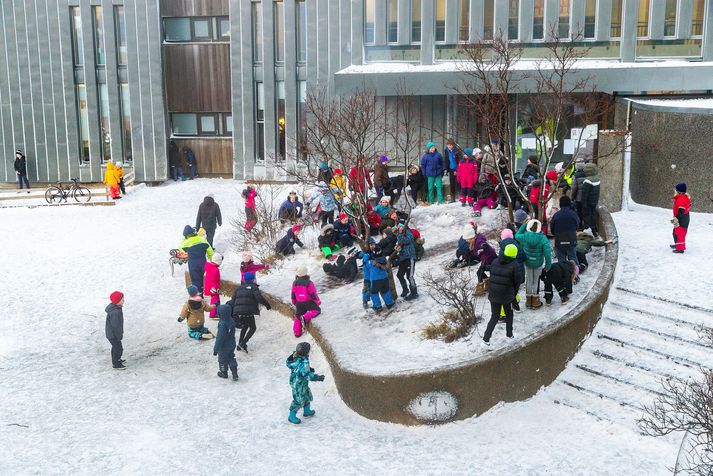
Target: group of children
114,180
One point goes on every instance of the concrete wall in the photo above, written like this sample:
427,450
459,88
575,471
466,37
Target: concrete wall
610,160
671,146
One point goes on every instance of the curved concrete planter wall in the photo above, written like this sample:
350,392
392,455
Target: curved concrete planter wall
472,387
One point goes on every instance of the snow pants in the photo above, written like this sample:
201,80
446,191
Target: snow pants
437,183
195,271
209,235
466,195
495,309
116,351
214,299
582,260
485,202
380,287
247,329
590,216
453,183
532,280
679,237
566,253
250,218
306,310
366,291
197,333
405,273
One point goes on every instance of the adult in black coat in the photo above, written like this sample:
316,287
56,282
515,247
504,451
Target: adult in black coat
21,169
564,225
174,161
114,328
246,304
505,280
224,346
209,216
560,276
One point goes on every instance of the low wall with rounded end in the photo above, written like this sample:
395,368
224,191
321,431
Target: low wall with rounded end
460,391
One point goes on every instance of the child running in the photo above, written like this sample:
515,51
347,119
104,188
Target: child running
300,376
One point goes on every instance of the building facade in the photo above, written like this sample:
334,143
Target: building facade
83,82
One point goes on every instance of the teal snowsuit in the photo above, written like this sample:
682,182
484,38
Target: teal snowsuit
300,376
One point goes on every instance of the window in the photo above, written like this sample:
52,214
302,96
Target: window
280,115
563,30
99,50
125,121
669,24
184,124
463,30
301,31
77,41
513,20
207,124
177,29
302,114
415,21
488,12
369,22
223,28
616,6
228,124
590,19
200,29
83,115
642,21
120,32
260,120
392,22
440,20
279,26
698,11
538,21
257,32
105,130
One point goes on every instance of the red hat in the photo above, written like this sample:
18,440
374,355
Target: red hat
551,175
338,171
343,216
116,297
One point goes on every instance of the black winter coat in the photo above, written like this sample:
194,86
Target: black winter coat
174,156
344,268
246,300
560,277
388,244
209,215
326,240
21,165
416,181
564,226
286,245
114,327
225,337
505,279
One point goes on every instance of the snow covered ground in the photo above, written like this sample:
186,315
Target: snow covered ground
64,410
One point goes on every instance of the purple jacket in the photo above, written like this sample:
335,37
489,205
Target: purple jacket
303,290
488,254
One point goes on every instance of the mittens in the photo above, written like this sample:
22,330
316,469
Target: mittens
319,378
180,319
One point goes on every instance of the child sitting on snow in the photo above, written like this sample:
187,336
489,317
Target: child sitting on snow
344,231
484,195
300,376
327,241
224,346
248,266
286,245
585,241
465,254
194,312
305,300
211,283
378,279
345,268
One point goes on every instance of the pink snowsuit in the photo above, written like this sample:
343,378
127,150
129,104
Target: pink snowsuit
467,175
250,267
306,302
212,281
250,214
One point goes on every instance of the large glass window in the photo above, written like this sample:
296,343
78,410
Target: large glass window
302,31
105,130
669,25
538,20
280,115
616,6
440,20
392,21
177,29
416,21
257,31
99,49
183,123
463,27
369,13
513,19
699,7
260,120
83,115
302,113
77,39
279,12
120,31
125,120
223,28
488,14
563,30
590,19
642,21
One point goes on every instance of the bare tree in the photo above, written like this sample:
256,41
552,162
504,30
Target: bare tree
454,292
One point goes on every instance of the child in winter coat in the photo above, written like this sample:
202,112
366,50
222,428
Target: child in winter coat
507,238
521,217
114,328
681,218
374,220
415,181
585,241
344,231
224,346
465,254
249,195
486,255
111,181
212,282
561,276
538,252
305,300
502,293
196,247
326,202
327,241
366,272
345,268
531,172
339,183
286,245
384,207
467,176
484,194
378,279
119,169
300,376
248,266
194,312
508,189
245,306
291,208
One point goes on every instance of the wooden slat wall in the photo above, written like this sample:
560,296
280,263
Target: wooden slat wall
214,156
197,78
194,8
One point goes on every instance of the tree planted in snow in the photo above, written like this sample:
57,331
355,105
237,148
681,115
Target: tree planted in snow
454,292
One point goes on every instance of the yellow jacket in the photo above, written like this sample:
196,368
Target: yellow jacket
193,311
110,176
339,182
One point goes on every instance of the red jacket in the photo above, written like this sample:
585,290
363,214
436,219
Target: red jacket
212,277
535,193
467,173
250,199
374,219
681,200
357,177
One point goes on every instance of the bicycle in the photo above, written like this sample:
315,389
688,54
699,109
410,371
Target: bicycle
58,193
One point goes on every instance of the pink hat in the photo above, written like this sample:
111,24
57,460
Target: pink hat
247,256
506,234
296,228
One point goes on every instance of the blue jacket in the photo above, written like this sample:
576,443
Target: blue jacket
225,337
289,207
521,256
376,273
325,199
367,266
407,246
382,211
341,229
564,226
432,164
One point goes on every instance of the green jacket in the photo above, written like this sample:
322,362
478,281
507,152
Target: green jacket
585,243
536,246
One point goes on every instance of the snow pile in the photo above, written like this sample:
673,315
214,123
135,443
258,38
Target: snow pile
434,406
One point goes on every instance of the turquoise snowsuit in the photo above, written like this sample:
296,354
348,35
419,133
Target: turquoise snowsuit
300,376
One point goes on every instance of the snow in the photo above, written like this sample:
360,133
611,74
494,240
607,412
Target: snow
698,103
434,406
169,412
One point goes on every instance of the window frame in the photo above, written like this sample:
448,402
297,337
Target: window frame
224,120
184,134
675,20
544,20
77,35
218,35
199,124
596,22
99,35
420,26
201,39
169,19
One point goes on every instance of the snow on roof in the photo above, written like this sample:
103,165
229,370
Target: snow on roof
699,103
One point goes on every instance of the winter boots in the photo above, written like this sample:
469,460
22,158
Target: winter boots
482,287
234,371
308,412
222,371
533,301
293,417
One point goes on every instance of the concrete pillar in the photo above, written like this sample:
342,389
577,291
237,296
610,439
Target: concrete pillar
628,30
428,24
604,20
657,9
268,80
452,21
404,22
357,35
380,20
552,16
684,18
527,10
290,78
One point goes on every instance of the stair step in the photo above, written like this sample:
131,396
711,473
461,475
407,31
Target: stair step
694,315
659,367
641,383
603,409
663,324
651,298
666,336
622,393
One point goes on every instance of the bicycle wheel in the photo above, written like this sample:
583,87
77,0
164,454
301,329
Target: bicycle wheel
82,194
53,195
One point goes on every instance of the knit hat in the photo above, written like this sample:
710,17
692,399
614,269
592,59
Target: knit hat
192,290
296,228
385,199
116,297
429,145
217,258
506,234
565,202
249,277
551,175
468,152
188,230
521,215
511,251
18,151
372,240
300,271
559,166
337,171
342,216
383,159
247,257
534,226
468,232
681,187
303,349
477,151
588,232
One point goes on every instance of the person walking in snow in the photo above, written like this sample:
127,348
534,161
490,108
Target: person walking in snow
249,266
681,218
212,281
505,280
193,312
114,328
538,252
453,156
286,245
196,247
119,169
301,374
209,217
378,279
305,299
191,161
224,346
249,195
111,181
432,168
174,162
246,305
21,169
507,238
